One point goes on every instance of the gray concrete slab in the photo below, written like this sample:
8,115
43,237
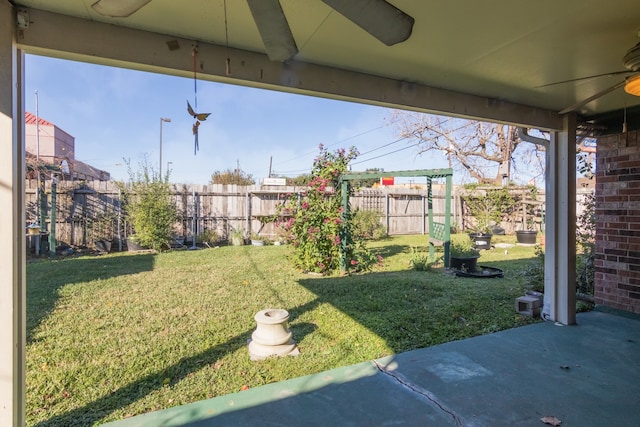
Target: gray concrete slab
584,375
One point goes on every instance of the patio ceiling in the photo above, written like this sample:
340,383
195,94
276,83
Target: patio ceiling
501,51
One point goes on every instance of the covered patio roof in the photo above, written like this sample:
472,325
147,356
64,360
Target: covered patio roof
517,62
491,60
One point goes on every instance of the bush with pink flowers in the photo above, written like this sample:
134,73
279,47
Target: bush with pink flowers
320,229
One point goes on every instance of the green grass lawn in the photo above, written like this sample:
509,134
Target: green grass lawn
118,335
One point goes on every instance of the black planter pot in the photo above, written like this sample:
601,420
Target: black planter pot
133,246
481,240
497,230
527,237
103,245
468,264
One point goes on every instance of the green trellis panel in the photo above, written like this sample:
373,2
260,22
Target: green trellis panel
439,233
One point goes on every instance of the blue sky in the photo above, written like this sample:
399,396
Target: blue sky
115,113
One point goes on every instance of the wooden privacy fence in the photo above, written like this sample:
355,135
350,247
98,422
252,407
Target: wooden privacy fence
225,208
221,208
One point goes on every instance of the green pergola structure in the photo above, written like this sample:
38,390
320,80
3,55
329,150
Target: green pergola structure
439,232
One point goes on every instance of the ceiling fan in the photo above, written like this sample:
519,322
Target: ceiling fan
379,18
631,83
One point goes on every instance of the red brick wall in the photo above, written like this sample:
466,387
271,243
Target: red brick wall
617,277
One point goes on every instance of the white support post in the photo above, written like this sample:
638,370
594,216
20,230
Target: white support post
560,227
12,223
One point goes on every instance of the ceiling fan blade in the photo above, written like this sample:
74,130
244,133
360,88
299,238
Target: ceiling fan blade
584,102
382,20
118,8
274,29
615,73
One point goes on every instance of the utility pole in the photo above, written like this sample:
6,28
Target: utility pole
38,195
162,119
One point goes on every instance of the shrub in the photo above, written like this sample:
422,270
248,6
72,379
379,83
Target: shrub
149,207
488,208
534,273
366,225
585,233
209,237
462,248
319,225
419,260
102,226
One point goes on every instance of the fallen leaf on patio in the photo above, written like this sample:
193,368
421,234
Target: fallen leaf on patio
551,420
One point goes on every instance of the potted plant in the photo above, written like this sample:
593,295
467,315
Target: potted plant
463,256
236,238
102,231
256,239
528,235
487,208
208,238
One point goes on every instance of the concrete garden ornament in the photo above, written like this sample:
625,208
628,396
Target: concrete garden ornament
272,337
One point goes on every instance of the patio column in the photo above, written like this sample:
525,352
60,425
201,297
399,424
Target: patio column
560,228
12,223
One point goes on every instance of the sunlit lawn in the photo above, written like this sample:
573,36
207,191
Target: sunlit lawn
118,335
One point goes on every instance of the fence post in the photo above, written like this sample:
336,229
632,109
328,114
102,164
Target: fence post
52,216
423,215
344,239
386,211
248,216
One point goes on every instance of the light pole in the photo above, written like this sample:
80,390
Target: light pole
162,119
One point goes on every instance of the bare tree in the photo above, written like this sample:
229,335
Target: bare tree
483,151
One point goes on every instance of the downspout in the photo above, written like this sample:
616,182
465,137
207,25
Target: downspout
523,135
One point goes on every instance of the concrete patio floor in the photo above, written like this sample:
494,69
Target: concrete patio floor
584,375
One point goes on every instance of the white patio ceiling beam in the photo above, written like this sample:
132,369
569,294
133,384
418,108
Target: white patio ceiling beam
67,37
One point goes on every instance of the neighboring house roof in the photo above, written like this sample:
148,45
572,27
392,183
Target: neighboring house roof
80,169
30,119
77,168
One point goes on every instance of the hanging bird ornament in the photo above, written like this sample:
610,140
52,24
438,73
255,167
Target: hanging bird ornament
198,117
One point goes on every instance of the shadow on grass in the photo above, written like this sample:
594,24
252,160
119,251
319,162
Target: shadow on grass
403,308
415,309
391,250
101,408
46,278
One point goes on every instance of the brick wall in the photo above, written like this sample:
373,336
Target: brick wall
617,277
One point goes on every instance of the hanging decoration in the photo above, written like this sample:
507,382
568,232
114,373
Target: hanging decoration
198,117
